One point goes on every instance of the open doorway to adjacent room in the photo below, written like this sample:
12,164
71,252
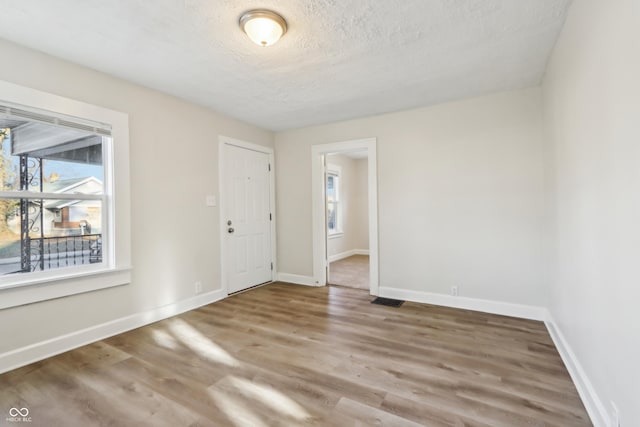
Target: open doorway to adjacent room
347,215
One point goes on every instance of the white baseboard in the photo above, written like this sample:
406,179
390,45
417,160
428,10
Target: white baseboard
487,306
32,353
297,279
592,402
347,254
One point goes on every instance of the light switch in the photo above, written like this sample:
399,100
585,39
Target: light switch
210,200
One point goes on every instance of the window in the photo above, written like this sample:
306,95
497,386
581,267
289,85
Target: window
53,207
334,214
64,186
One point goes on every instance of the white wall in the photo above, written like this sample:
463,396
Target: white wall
463,196
592,109
353,202
174,164
460,194
361,205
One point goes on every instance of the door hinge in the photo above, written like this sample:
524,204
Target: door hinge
270,217
271,266
269,164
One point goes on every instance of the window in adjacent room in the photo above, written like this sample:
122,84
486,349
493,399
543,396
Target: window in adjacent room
334,214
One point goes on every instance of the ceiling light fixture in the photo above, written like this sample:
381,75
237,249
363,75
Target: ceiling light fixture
263,27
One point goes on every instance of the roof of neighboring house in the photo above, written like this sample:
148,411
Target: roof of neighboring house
59,204
65,185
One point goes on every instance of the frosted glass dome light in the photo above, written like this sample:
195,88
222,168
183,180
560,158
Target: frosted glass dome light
263,27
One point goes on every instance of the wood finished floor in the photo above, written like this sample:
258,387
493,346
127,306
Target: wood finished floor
352,272
286,355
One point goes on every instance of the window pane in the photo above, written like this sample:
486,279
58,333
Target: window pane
37,235
57,233
331,188
28,161
332,217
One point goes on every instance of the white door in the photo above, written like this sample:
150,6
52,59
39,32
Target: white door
247,218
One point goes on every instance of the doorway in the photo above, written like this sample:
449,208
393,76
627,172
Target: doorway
346,198
321,257
246,214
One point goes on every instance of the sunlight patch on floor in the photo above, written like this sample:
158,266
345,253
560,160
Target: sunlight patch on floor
200,344
272,398
164,339
238,412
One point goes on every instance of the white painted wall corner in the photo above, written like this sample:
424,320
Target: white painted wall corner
592,402
347,254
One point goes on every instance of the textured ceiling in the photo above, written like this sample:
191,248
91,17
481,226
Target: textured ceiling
339,59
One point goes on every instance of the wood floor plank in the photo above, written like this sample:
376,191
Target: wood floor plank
368,416
428,413
352,272
294,356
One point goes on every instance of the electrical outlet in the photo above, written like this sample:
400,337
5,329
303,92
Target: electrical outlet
454,291
198,287
615,415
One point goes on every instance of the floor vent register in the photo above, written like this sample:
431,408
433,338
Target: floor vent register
388,302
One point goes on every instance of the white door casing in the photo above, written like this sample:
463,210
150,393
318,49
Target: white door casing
246,214
318,196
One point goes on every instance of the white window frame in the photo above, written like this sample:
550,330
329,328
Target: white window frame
115,269
336,171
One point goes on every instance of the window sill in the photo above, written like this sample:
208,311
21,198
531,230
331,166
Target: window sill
58,286
336,235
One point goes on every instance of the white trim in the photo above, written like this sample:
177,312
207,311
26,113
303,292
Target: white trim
335,170
222,140
487,306
272,206
56,195
116,200
318,207
347,254
32,353
48,196
244,144
592,402
77,282
297,279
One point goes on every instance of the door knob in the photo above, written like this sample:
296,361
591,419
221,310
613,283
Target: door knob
230,230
